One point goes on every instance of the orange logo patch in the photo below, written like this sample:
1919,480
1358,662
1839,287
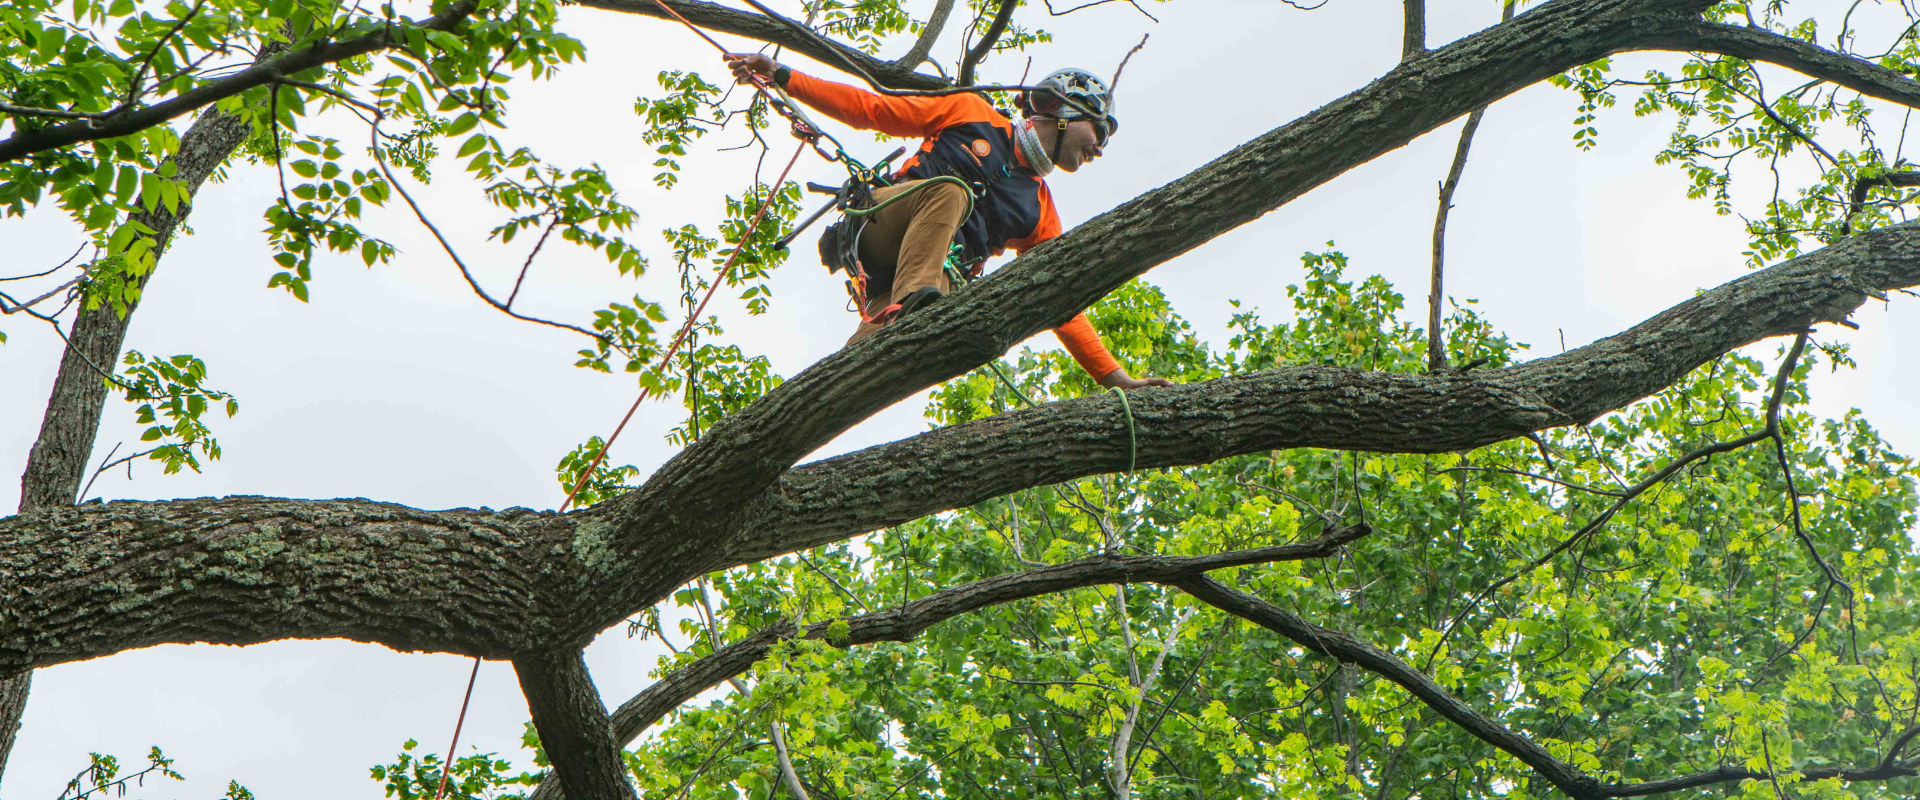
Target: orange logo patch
981,148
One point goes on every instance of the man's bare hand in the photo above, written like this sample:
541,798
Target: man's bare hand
1119,379
747,65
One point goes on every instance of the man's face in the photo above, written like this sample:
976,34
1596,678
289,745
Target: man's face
1080,145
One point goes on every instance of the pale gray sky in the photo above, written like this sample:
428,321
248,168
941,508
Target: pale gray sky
397,384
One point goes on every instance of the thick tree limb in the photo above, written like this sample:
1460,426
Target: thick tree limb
498,584
1314,406
128,120
698,492
712,16
573,725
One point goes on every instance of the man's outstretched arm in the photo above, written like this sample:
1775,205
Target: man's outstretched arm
894,116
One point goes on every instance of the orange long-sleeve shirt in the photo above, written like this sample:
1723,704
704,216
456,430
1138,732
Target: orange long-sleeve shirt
965,136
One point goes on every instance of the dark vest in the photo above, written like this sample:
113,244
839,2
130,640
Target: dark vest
1006,202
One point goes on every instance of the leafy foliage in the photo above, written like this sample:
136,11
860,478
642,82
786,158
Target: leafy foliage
102,778
173,389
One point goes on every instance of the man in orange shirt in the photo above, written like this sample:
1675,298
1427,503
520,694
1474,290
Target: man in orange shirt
1004,164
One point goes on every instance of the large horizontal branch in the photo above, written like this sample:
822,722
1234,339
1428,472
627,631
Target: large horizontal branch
86,581
83,582
1315,406
688,509
712,16
1567,778
904,623
131,120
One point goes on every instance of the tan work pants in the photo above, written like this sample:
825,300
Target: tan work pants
905,244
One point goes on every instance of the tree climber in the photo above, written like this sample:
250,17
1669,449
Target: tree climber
904,244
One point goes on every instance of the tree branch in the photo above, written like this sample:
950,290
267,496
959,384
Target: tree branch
1413,29
127,120
1565,777
1315,406
698,492
1813,61
573,725
903,623
928,35
998,26
714,16
1436,348
499,584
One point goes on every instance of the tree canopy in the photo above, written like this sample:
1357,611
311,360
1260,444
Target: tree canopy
1357,551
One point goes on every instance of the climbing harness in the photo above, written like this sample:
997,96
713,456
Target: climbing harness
840,241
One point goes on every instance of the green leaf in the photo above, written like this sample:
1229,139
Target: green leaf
472,146
462,124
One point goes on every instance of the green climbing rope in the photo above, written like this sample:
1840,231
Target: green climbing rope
1133,438
1133,435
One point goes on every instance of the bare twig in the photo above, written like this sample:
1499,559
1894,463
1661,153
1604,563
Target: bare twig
8,305
380,160
133,86
1115,83
1436,350
529,262
50,270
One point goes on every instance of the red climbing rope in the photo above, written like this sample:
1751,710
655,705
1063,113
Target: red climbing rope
809,135
686,327
446,769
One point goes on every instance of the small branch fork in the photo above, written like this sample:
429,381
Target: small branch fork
1001,18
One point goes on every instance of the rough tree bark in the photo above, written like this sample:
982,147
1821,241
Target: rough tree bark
533,587
573,725
500,584
58,461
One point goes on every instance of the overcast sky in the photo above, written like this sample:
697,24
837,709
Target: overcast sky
397,384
